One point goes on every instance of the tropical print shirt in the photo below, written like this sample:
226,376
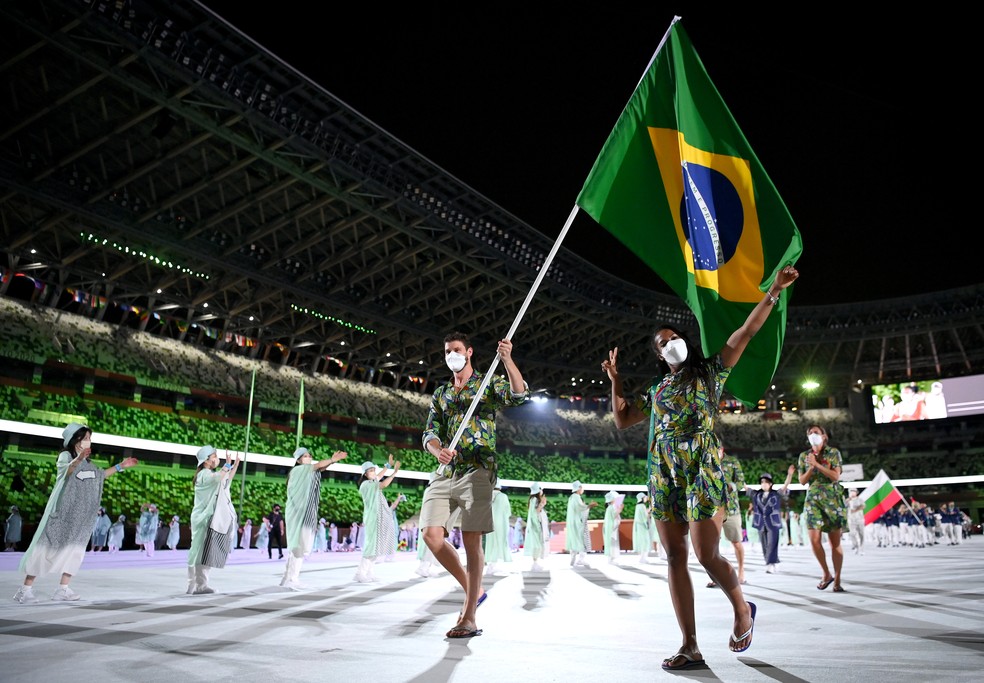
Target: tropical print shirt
476,447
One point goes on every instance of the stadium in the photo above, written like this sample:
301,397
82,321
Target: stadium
193,231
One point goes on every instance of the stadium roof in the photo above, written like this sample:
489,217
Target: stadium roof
153,157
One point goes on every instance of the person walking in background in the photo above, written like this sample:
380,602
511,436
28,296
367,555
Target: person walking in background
263,535
115,538
611,525
535,542
498,542
59,543
577,541
213,518
100,532
303,501
686,484
467,474
797,533
516,535
14,529
277,533
729,516
147,527
377,518
333,544
768,516
246,537
391,555
855,520
750,530
642,535
825,511
321,537
174,532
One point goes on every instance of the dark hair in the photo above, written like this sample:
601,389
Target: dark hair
458,336
79,434
76,438
696,369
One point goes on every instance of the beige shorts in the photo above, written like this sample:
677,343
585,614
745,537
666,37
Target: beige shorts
732,528
469,494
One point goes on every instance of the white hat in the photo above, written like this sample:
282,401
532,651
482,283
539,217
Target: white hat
301,452
576,486
610,496
69,432
367,465
640,496
203,453
535,488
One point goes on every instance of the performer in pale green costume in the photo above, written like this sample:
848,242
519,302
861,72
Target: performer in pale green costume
642,529
377,518
497,541
537,531
61,538
578,538
301,517
610,528
213,518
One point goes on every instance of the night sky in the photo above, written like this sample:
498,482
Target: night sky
863,121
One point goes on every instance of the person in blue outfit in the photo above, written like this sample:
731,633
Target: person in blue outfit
767,515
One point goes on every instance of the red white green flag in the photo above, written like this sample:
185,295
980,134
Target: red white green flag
880,496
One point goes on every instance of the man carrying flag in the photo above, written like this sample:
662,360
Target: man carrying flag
678,184
879,497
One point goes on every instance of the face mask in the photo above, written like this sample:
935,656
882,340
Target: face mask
816,440
85,443
455,361
675,351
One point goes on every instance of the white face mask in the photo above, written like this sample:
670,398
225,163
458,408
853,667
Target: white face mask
455,361
675,351
816,440
85,443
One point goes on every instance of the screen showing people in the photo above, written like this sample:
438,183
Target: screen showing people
928,399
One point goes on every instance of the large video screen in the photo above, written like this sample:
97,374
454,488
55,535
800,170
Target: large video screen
934,399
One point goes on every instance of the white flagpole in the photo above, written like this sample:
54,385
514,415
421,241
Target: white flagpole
249,423
509,335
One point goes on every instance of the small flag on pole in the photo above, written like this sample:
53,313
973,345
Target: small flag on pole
880,497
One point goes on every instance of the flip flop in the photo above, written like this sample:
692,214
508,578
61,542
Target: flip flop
689,662
822,586
463,632
710,584
746,634
839,589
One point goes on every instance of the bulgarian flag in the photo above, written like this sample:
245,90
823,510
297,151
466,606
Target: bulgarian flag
678,184
880,496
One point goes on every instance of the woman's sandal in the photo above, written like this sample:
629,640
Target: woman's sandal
689,661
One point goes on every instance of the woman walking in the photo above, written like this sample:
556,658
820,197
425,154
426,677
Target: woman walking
59,544
213,518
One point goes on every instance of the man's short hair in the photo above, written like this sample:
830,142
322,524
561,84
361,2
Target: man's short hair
458,336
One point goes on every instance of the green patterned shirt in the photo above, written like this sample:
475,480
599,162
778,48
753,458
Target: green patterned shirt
735,479
476,447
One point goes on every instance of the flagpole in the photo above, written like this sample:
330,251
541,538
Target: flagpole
512,330
300,415
249,423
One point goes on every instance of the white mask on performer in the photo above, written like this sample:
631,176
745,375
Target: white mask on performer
816,440
456,361
675,351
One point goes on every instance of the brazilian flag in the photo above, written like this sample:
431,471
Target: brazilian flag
679,185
